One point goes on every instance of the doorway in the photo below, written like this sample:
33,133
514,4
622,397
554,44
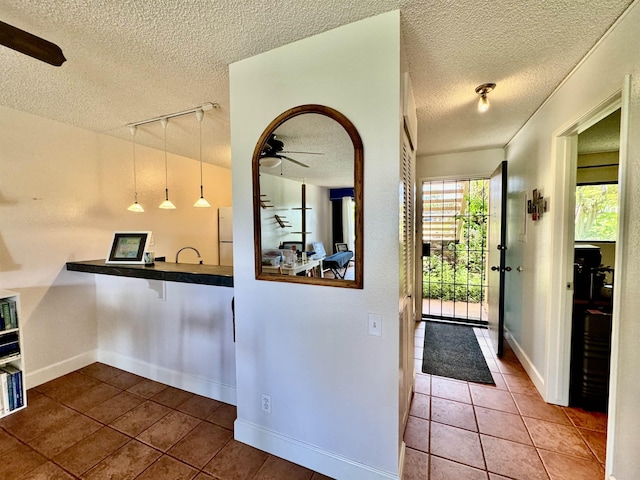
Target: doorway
454,237
595,234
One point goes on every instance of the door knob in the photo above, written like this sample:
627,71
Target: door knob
495,268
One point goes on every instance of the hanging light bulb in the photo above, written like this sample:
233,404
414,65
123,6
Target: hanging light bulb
201,202
167,205
135,206
483,90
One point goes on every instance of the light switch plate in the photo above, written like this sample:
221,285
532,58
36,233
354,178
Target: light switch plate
375,324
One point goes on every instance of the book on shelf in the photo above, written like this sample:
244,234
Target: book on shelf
5,392
9,345
14,386
8,314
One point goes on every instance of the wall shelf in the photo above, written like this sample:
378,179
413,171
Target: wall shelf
13,395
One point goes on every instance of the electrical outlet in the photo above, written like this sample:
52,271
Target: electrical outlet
266,403
375,324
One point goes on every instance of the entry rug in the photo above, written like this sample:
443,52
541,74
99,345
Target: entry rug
453,351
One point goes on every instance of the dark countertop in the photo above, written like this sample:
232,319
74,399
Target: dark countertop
216,275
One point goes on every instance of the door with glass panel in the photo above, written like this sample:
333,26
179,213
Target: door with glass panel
454,237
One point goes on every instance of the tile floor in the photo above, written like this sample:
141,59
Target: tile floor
100,422
462,430
103,423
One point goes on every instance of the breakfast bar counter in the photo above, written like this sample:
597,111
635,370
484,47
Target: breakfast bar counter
217,275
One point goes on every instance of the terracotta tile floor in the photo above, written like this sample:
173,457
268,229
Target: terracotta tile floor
103,423
462,430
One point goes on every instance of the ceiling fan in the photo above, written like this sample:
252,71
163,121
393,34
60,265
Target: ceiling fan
29,44
272,153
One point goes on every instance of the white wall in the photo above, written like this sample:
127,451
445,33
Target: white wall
334,389
63,191
478,163
285,195
531,163
175,333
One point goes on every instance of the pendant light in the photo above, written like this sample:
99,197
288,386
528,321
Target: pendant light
201,202
167,205
135,206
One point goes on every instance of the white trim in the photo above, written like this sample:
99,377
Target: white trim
190,383
560,307
618,267
51,372
310,456
403,454
526,362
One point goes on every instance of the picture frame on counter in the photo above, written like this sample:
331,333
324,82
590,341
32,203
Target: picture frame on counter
128,247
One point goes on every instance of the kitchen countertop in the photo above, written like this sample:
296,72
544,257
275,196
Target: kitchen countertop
221,276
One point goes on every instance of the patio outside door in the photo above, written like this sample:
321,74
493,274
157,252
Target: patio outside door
454,238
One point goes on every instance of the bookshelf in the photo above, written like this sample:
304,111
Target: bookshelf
13,395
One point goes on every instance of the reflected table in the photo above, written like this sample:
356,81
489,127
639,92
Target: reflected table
310,266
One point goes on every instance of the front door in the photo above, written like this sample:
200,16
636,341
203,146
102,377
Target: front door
497,256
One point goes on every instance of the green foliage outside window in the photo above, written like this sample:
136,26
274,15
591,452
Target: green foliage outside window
454,271
596,214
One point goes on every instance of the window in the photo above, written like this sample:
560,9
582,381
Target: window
596,215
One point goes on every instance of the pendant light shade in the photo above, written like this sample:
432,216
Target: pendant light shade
135,206
167,205
201,202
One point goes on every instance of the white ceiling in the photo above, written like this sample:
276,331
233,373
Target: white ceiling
129,60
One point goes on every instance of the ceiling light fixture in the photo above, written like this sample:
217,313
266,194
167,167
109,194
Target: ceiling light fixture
483,90
135,206
270,161
167,205
201,202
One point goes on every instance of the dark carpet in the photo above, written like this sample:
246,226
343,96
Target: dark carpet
453,351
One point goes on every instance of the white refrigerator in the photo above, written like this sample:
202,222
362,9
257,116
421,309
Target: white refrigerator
225,236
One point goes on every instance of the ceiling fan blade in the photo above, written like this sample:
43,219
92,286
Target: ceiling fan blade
305,153
31,45
294,161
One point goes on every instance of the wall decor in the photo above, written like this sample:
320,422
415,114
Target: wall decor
537,205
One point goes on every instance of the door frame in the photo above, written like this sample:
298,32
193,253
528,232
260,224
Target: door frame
558,333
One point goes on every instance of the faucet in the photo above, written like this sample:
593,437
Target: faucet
190,248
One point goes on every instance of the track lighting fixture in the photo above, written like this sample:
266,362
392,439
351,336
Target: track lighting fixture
483,90
167,205
135,206
201,202
164,121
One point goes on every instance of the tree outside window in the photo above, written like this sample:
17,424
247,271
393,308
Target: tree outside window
596,214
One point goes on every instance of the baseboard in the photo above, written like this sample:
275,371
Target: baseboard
531,370
50,372
191,383
403,452
314,458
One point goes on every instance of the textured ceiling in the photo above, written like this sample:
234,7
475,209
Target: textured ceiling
322,144
604,136
129,60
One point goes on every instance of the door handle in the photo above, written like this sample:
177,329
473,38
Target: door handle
495,268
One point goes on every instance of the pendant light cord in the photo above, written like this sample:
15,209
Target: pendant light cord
165,123
135,179
200,125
